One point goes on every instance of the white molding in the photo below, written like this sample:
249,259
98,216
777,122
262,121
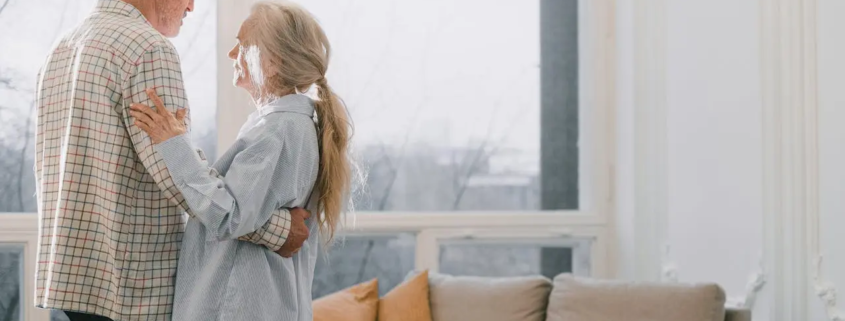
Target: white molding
826,291
789,76
597,82
756,281
429,241
650,130
668,268
233,105
416,221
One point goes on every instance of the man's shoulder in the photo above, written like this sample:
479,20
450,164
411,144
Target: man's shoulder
126,37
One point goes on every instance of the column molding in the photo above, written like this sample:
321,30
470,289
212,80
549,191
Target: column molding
233,104
650,130
789,79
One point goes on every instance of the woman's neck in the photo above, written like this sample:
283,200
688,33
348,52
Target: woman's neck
261,99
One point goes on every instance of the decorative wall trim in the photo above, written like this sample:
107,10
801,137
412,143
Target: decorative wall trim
669,269
756,282
650,155
670,274
826,292
791,158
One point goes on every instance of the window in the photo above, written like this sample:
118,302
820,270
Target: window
501,258
467,116
361,258
448,96
11,282
19,64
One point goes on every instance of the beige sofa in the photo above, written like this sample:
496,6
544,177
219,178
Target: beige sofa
569,298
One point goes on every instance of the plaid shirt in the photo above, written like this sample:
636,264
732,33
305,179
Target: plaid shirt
111,218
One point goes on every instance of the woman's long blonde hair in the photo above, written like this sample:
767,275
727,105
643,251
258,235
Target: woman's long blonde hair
291,54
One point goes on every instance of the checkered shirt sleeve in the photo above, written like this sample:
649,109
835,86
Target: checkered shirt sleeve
158,69
274,233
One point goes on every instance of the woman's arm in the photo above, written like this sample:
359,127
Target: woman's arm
228,206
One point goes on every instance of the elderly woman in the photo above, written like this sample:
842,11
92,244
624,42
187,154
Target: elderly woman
283,158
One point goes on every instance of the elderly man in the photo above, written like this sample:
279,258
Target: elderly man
111,218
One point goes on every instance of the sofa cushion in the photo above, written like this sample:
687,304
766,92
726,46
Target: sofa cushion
581,299
407,301
356,303
464,298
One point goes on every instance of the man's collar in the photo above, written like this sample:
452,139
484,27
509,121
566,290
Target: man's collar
119,7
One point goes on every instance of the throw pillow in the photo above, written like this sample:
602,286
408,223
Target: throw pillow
407,301
356,303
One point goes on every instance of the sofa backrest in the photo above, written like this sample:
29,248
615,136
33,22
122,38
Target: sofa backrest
490,299
583,299
570,298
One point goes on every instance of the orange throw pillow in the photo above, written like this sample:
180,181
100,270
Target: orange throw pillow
356,303
407,301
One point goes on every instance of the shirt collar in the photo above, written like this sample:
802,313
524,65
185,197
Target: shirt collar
119,7
294,103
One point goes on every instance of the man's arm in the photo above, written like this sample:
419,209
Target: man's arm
159,68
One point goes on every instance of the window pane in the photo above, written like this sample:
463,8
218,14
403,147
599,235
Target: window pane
446,99
361,258
11,282
500,259
33,38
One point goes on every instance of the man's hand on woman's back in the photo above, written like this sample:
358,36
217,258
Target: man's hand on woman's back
298,232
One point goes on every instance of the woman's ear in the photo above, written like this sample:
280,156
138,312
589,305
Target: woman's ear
272,69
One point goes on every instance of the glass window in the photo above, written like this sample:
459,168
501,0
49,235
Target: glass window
11,282
359,259
19,64
508,258
447,99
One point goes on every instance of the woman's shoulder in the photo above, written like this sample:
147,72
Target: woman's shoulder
289,123
281,129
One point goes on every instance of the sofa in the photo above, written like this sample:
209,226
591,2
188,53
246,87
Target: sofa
441,297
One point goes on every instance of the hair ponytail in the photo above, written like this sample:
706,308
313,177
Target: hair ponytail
333,178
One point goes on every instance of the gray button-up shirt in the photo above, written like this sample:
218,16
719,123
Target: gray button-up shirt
273,164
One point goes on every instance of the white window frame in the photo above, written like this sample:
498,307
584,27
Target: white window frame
597,91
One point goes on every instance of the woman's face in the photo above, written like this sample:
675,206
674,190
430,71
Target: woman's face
242,75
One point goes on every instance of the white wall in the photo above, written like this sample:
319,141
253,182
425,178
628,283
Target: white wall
714,141
713,147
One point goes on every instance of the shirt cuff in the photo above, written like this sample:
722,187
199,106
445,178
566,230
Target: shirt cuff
179,157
